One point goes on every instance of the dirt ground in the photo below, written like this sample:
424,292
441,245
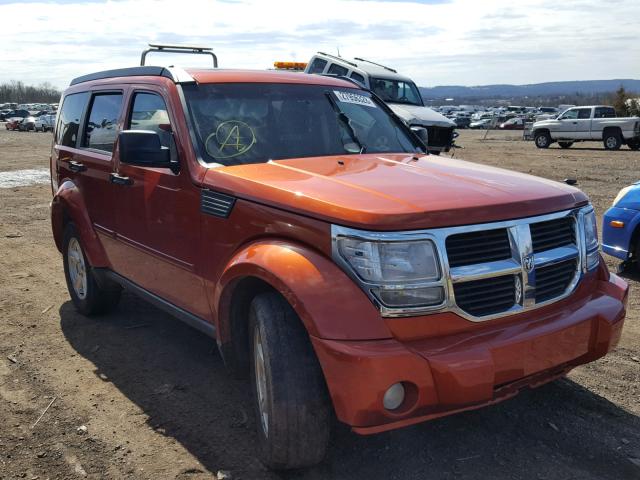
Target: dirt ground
153,400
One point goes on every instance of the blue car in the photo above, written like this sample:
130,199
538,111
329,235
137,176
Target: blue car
621,225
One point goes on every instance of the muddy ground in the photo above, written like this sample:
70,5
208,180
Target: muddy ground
156,402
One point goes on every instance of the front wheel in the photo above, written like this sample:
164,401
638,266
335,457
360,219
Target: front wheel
542,140
88,297
291,401
565,144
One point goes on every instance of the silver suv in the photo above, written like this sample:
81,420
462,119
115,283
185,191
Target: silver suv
399,92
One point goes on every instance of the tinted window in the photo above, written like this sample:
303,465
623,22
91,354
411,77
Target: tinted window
69,120
149,112
358,78
336,69
584,113
318,66
605,112
252,123
100,132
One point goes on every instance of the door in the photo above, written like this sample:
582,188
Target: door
583,124
568,123
157,220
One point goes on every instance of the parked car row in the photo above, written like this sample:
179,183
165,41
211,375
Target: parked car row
43,123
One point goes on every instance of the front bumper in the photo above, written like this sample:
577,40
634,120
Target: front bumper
462,371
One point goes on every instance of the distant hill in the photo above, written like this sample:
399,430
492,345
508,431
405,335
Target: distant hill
585,87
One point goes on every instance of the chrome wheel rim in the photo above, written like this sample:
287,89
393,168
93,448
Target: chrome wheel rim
611,142
77,269
542,141
261,380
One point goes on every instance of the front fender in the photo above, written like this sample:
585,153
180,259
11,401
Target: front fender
328,302
69,205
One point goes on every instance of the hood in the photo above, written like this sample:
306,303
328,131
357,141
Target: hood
546,123
394,192
416,115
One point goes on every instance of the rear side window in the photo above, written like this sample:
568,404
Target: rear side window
604,112
69,122
101,130
317,66
358,78
339,70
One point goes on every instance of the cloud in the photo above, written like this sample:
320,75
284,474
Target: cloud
435,42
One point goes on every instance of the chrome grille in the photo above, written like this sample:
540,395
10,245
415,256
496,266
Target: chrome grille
553,234
553,280
476,247
486,297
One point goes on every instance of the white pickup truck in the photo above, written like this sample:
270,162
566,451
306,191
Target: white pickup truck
584,124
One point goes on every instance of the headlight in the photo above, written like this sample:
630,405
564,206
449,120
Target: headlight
398,274
591,238
621,194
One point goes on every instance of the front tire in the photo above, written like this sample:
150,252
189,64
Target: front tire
542,140
565,144
87,296
612,140
292,405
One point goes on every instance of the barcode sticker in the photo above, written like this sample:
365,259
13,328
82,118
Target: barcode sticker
348,97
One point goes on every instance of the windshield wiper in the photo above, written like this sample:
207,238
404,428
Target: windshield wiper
346,122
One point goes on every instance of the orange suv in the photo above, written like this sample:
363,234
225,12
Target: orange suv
295,219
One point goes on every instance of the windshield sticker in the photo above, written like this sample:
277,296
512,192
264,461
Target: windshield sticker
231,138
348,97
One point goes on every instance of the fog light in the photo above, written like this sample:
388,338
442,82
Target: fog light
393,397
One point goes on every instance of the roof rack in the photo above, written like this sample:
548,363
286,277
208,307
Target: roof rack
196,50
374,63
339,58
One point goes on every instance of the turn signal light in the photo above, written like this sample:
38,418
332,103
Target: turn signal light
616,224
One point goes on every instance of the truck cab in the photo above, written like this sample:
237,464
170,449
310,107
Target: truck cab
398,91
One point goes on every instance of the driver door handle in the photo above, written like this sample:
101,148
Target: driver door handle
76,167
120,180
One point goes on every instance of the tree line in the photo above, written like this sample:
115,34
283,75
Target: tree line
16,91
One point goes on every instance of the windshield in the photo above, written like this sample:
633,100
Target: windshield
237,124
396,91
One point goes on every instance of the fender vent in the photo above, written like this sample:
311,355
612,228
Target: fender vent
216,204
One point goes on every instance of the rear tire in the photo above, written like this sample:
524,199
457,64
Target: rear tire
565,144
87,296
612,140
542,140
293,412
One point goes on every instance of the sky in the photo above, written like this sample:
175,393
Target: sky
436,42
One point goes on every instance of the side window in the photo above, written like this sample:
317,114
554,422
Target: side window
317,66
584,113
339,70
570,114
604,112
358,78
69,122
149,112
101,129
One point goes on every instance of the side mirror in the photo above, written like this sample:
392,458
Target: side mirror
143,148
422,134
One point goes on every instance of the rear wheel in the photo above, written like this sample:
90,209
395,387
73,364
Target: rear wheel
565,144
88,297
292,405
612,140
542,139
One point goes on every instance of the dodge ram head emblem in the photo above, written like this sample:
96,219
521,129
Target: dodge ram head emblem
527,263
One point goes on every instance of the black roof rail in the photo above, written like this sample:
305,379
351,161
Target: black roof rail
125,72
339,58
378,64
192,49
